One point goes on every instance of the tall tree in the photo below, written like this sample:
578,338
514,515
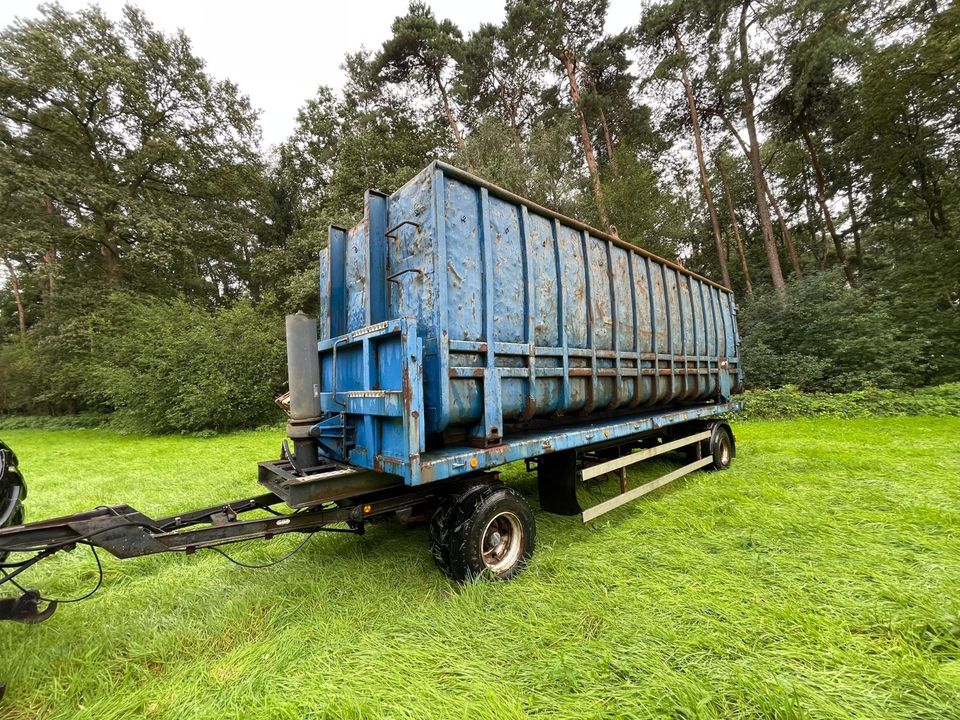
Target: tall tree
425,51
816,41
151,166
734,225
745,73
792,255
498,79
610,84
667,22
564,30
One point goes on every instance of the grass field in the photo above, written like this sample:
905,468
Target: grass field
819,577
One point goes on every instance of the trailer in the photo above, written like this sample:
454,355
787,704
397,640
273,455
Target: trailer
461,328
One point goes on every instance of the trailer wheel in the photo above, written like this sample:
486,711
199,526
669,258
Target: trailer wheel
443,521
440,533
722,447
492,534
12,491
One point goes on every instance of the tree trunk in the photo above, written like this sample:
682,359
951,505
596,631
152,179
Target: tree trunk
585,136
769,243
792,254
698,145
17,295
49,262
854,226
815,243
824,208
932,196
451,119
725,182
111,264
607,137
50,257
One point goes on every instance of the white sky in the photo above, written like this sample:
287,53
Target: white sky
280,51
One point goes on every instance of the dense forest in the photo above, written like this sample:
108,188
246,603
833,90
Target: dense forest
803,152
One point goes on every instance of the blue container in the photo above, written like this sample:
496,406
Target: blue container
459,314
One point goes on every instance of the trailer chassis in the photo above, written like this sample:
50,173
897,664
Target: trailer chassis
125,532
333,497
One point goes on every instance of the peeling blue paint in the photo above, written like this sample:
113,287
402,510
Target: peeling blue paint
509,313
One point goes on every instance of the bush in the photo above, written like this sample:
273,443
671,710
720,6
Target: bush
20,376
790,402
170,366
157,365
828,337
80,421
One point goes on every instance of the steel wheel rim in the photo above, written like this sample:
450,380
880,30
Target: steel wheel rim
724,451
502,542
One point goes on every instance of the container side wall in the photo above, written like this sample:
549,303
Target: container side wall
546,325
464,269
464,277
509,281
624,304
643,292
415,249
510,290
573,281
522,315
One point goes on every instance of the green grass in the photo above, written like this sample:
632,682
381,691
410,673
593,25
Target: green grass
820,577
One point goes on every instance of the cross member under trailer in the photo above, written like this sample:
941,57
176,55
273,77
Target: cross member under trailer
478,527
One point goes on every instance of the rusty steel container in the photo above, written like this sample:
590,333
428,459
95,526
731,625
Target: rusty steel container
525,317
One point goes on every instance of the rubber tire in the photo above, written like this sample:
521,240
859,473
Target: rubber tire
470,519
10,478
722,437
441,524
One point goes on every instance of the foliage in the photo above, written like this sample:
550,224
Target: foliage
420,51
790,402
80,421
169,366
816,578
122,161
125,166
21,376
159,365
828,336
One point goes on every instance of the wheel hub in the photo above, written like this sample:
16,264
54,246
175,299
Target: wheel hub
502,542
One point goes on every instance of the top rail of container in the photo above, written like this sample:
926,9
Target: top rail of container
504,194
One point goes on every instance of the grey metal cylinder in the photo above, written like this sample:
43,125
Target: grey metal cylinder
303,368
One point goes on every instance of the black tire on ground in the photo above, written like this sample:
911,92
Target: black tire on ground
440,533
722,447
492,535
442,522
12,491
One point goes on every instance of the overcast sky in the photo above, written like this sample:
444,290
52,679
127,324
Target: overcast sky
280,51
